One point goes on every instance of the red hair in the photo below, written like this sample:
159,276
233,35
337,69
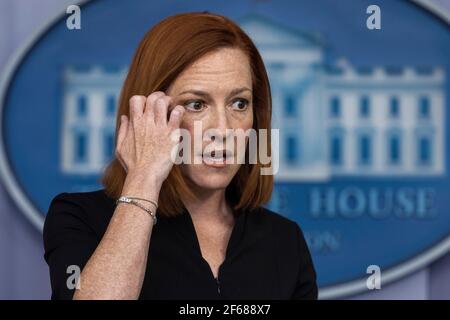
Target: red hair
164,52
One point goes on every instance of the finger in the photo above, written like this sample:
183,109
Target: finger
150,104
160,109
176,116
122,163
137,104
120,139
123,128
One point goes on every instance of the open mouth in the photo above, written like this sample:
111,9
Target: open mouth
218,157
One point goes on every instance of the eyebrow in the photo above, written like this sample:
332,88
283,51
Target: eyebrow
206,95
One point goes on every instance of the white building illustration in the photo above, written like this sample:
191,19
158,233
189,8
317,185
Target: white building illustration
89,110
336,120
342,120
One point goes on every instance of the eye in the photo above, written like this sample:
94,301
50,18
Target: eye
194,105
240,104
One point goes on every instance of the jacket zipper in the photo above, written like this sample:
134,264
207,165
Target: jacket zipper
218,282
218,285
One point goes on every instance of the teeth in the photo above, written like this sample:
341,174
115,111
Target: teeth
220,155
214,158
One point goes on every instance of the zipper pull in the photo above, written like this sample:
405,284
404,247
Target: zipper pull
218,285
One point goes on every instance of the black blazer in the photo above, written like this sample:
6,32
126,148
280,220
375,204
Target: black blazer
266,258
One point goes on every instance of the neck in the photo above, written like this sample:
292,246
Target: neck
209,205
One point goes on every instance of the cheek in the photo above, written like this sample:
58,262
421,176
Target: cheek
249,118
190,121
246,122
187,123
242,120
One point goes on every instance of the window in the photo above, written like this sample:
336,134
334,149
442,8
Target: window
364,107
291,149
290,105
108,145
424,150
424,107
394,149
110,105
80,146
335,107
81,106
394,108
336,149
365,149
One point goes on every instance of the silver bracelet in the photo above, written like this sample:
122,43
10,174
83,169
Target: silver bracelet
130,200
151,201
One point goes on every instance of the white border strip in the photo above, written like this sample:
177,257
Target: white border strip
331,292
6,174
421,260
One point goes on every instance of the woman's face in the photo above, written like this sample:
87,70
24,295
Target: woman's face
216,92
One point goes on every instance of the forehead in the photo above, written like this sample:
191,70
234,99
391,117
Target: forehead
224,68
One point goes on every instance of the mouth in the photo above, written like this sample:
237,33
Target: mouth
218,158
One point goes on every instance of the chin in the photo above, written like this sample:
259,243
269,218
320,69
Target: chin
205,177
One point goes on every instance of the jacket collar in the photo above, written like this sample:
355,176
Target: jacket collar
184,226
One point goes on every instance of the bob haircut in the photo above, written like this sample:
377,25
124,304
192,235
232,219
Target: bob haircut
165,51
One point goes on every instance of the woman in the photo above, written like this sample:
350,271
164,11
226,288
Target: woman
212,239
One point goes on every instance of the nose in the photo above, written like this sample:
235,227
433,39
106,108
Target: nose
219,126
